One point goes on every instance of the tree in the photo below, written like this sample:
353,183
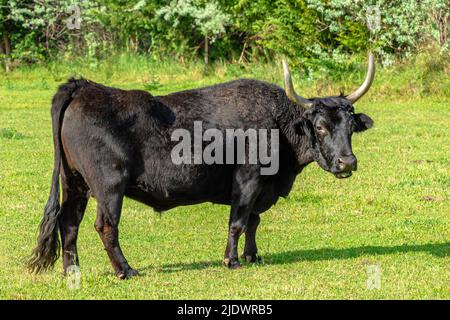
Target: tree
207,18
440,12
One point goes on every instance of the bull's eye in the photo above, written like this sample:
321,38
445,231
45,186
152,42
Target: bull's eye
321,129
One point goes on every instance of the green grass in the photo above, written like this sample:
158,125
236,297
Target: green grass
316,244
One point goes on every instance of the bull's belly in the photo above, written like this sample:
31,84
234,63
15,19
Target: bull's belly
163,204
174,186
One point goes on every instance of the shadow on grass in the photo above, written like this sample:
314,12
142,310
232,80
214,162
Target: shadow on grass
435,249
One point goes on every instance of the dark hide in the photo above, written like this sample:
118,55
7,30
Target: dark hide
111,143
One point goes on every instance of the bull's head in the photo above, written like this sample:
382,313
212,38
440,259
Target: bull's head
330,123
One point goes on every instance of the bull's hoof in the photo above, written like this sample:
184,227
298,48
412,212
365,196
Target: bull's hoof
127,274
231,264
252,258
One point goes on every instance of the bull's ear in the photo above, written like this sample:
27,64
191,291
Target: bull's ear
363,122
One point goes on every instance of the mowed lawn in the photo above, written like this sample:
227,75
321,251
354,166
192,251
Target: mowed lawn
322,242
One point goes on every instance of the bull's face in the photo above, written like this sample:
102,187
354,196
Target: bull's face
330,130
330,123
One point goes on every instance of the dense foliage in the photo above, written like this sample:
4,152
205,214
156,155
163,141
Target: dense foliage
233,30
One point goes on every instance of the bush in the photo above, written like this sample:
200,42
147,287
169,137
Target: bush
313,33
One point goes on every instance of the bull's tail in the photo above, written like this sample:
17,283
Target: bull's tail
48,245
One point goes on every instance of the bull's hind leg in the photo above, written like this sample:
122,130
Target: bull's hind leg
109,207
72,211
73,206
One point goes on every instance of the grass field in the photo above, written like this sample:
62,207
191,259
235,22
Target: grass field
319,243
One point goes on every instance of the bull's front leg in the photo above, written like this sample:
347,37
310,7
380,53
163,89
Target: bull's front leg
250,249
246,188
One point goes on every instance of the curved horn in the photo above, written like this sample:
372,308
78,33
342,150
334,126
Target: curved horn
353,97
289,88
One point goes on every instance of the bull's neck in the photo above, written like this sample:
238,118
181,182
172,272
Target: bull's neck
301,144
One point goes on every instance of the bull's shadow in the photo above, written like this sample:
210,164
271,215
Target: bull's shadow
435,249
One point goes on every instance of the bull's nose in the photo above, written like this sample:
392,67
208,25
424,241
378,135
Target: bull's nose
346,163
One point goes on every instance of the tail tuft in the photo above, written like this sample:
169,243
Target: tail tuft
48,246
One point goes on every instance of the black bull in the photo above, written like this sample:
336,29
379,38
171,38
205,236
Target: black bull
111,143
